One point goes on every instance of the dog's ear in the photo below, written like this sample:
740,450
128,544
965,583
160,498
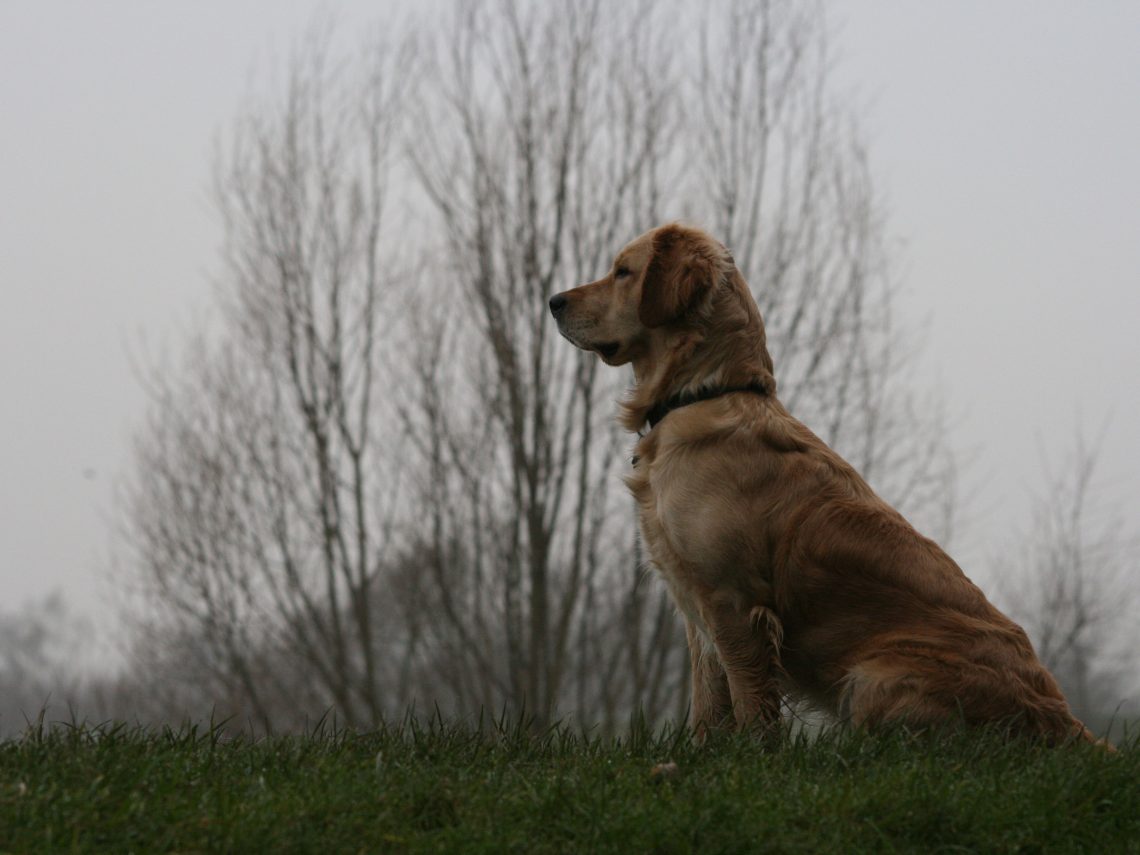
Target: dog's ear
678,275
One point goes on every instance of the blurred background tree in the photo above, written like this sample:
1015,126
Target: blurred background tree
1068,582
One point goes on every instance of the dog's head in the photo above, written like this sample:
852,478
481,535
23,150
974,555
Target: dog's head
675,306
659,283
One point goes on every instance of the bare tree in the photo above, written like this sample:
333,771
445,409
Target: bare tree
362,501
1071,586
258,512
557,128
566,137
786,184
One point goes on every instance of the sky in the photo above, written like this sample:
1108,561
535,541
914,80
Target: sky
1004,136
1006,140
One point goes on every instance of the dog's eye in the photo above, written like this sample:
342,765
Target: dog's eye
621,273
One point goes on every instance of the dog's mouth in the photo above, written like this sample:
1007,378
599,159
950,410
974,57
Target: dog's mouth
607,350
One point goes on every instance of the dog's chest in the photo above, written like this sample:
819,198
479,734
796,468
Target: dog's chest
701,532
673,561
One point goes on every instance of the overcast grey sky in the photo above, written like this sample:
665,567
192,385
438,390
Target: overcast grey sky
1005,136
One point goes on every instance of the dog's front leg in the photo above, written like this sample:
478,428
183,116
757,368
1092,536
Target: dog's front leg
711,706
748,645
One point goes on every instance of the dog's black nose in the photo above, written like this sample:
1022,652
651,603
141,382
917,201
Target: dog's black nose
557,304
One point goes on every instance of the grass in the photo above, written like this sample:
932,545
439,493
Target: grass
446,788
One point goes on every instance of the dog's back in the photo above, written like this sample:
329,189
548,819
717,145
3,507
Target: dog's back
882,625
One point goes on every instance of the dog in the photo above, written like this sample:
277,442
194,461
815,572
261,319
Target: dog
793,577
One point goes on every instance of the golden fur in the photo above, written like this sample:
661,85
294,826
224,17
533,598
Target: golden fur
793,577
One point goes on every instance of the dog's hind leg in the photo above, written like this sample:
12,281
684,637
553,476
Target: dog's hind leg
920,692
877,693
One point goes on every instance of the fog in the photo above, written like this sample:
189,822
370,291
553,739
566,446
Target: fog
1005,140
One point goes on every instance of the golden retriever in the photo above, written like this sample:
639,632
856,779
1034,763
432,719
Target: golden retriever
793,577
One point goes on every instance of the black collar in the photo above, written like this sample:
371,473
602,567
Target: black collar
663,408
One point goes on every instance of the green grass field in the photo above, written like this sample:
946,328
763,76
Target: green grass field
446,788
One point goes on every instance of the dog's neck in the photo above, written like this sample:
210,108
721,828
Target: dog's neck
697,363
